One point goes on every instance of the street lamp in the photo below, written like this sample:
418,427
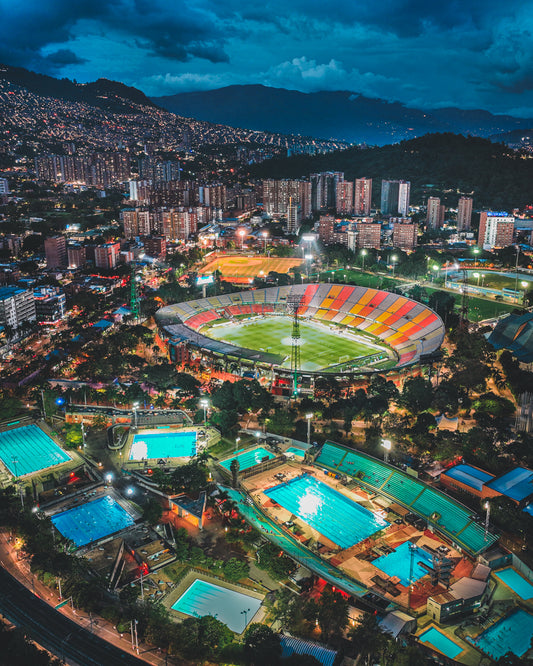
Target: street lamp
477,275
394,258
435,268
108,477
245,613
135,408
387,446
308,258
363,254
476,251
524,285
237,440
486,506
265,236
242,234
205,404
309,417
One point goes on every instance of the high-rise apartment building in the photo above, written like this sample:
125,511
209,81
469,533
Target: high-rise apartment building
395,197
344,198
326,229
77,256
363,196
212,195
55,249
293,218
404,235
464,214
107,255
4,186
17,305
369,235
138,222
277,194
435,213
324,189
495,230
179,224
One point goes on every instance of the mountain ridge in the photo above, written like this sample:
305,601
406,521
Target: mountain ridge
341,115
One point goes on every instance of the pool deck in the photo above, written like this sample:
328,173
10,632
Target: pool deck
122,456
356,562
171,597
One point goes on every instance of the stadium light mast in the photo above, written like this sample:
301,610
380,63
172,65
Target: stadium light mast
293,305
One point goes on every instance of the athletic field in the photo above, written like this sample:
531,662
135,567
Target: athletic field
319,346
238,268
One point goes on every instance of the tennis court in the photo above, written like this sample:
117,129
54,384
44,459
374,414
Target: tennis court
28,449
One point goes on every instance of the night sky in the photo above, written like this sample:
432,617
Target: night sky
425,53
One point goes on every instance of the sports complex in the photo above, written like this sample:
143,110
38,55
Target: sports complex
337,328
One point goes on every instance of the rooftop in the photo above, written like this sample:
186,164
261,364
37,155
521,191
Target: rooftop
516,484
470,476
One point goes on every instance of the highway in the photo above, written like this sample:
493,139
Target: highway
55,631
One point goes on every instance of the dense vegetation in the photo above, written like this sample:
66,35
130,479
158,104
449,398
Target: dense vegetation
436,164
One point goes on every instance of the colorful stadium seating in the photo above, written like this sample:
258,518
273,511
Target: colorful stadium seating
410,328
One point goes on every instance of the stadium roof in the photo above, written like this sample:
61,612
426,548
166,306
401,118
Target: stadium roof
516,484
515,333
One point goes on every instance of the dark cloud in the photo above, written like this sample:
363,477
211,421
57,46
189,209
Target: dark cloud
63,57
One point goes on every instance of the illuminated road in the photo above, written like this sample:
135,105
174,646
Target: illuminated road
54,631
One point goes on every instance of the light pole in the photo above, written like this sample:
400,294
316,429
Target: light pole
308,259
44,405
477,275
363,254
265,236
205,404
523,284
237,440
135,408
309,417
242,234
435,268
487,519
394,258
387,446
476,251
245,613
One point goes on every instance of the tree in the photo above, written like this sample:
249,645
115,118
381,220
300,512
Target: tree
332,613
225,420
203,637
191,478
235,569
73,436
417,395
152,511
262,647
234,468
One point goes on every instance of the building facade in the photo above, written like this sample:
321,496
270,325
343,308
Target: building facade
363,196
464,214
496,230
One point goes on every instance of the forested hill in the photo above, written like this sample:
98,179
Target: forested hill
436,164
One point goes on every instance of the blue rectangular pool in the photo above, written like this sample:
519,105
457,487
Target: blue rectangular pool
28,449
516,582
163,445
337,517
510,634
92,521
442,643
234,609
297,452
398,563
248,458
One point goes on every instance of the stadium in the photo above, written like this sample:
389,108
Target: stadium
342,330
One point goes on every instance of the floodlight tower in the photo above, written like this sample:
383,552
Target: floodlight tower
293,305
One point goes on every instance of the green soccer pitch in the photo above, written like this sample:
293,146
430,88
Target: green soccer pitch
319,347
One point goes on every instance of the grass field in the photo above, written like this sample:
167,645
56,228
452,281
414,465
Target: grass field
319,348
243,269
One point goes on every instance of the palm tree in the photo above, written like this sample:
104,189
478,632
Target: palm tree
234,468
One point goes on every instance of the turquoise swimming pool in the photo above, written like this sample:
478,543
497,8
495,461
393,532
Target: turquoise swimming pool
163,445
516,582
296,451
442,643
334,515
92,521
248,458
398,563
510,634
234,609
28,449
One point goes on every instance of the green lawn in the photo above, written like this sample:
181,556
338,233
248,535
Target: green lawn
319,349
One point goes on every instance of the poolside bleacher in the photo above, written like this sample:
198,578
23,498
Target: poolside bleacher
445,514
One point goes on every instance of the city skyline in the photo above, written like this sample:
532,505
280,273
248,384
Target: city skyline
413,52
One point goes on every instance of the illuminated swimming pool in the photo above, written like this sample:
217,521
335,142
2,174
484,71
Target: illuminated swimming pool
28,449
297,452
234,609
516,582
163,445
398,563
510,634
334,515
92,521
248,458
442,643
